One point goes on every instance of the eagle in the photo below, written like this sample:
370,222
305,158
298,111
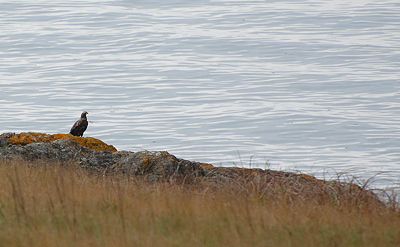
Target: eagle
80,126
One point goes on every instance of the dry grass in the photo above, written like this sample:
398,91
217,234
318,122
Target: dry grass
60,205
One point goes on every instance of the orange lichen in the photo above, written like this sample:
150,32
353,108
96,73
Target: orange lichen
205,165
307,176
31,137
26,138
94,144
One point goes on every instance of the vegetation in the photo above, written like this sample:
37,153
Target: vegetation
64,205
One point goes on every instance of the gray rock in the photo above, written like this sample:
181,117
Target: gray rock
4,137
154,165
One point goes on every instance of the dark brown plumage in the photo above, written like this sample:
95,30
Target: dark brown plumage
80,126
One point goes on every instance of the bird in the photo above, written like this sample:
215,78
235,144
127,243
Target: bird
80,126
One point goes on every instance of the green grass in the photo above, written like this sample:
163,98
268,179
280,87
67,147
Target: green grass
62,205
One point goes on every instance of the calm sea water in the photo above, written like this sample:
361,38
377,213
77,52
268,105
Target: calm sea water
312,86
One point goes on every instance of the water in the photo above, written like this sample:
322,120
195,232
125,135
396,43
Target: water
310,86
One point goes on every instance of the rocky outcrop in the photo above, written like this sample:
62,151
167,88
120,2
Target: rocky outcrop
94,155
33,137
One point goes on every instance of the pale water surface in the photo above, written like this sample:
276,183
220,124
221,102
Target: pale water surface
312,86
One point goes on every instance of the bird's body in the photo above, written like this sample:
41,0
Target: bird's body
80,126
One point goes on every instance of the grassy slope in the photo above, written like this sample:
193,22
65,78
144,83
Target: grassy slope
53,205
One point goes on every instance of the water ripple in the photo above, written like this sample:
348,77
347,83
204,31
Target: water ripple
311,86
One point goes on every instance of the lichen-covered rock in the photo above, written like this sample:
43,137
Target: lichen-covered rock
95,155
153,165
26,138
59,150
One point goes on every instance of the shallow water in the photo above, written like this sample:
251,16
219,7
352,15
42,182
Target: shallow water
310,86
